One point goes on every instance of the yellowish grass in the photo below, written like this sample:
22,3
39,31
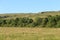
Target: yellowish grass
16,33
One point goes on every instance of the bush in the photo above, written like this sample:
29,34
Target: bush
50,21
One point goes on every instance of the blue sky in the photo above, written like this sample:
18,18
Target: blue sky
23,6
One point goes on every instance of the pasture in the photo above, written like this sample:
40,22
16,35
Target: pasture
17,33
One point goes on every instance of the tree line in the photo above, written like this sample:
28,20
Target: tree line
50,22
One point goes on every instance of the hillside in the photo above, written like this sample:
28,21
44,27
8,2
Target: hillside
32,15
40,19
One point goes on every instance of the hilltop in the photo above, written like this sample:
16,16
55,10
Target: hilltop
31,15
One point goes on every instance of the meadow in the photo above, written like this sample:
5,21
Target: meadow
9,30
17,33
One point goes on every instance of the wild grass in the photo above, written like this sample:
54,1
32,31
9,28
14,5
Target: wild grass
16,33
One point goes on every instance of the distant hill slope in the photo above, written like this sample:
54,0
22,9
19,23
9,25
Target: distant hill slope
42,19
31,15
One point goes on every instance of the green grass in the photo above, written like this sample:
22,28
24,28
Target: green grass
12,33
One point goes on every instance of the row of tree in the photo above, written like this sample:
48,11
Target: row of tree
50,21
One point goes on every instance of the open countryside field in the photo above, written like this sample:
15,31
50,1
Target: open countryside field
13,28
17,33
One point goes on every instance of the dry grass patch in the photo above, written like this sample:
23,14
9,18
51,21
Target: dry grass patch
16,33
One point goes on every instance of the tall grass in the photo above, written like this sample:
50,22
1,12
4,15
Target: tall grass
13,33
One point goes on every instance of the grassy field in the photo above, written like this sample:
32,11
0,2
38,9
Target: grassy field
17,33
13,33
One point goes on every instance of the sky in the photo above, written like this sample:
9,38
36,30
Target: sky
28,6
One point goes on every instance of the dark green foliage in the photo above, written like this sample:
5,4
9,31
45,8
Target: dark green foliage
44,22
34,24
27,20
58,24
38,20
50,21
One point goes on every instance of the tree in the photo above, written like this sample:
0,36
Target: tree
38,20
58,24
44,22
51,22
